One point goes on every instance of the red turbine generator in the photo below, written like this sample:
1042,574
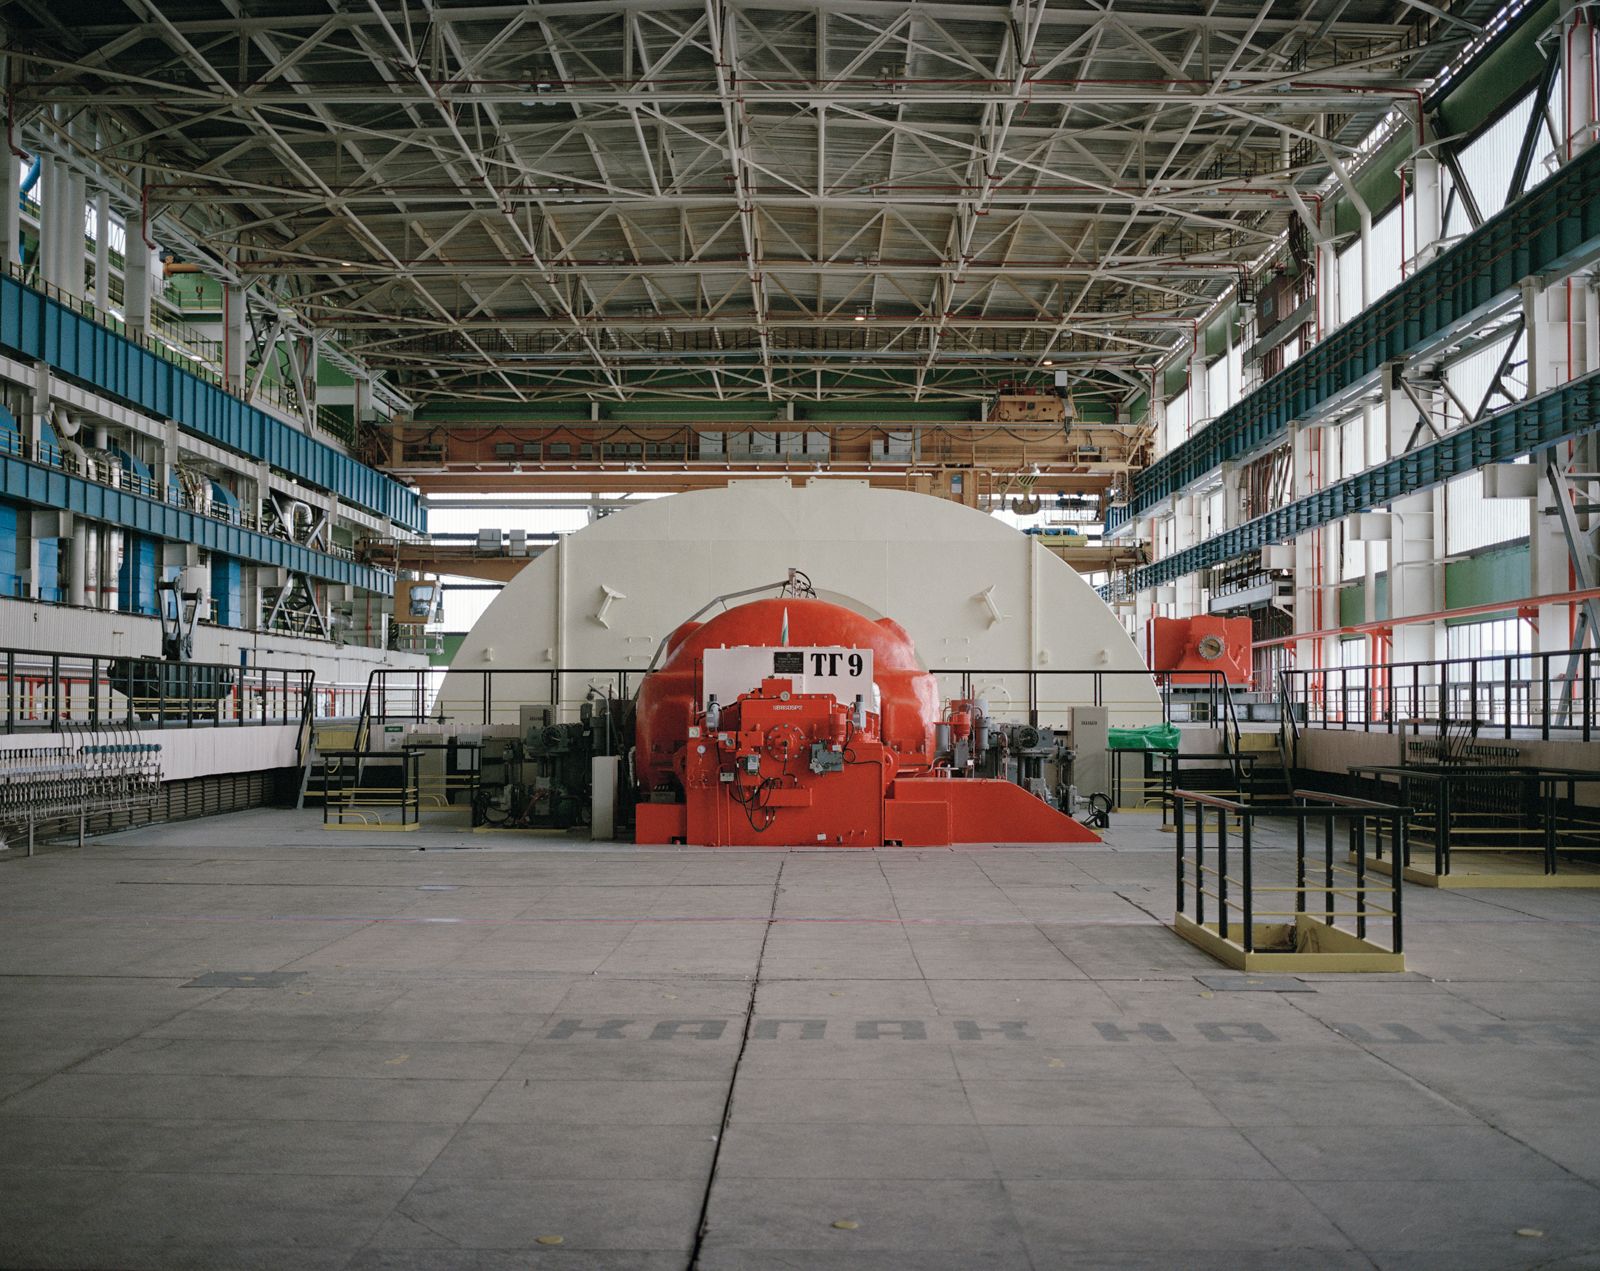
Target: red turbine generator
1196,647
794,722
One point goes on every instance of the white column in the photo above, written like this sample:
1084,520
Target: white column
74,260
1328,285
10,226
33,588
1587,302
166,465
79,563
1548,560
136,265
1232,496
1416,579
1187,532
1370,552
1158,418
1535,319
51,197
1366,256
1332,567
1577,77
1427,220
233,339
102,251
1306,607
39,407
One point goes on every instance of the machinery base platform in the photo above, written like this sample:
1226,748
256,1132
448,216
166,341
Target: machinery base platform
917,812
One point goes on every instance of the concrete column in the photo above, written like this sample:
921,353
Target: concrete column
1143,610
1232,496
1189,511
260,492
1427,220
1199,388
1365,255
1374,555
1544,313
1306,607
1548,560
51,198
1158,416
102,251
1416,578
1590,309
74,260
1299,465
1549,568
1328,609
166,464
10,225
1328,286
33,587
1577,77
249,597
136,286
79,564
39,407
233,337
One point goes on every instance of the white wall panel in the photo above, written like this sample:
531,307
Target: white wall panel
923,561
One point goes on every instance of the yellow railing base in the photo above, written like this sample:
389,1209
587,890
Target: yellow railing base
1308,945
375,825
1477,867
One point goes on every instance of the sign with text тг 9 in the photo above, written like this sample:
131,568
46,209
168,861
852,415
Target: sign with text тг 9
813,669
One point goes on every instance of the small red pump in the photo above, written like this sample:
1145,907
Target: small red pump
796,722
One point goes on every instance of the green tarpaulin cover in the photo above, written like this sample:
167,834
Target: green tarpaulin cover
1154,737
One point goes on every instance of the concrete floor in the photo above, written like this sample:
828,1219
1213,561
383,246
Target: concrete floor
522,1053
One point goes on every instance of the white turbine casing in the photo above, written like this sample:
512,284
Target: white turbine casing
973,593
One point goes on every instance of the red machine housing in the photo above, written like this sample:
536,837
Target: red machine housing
669,699
1195,647
787,768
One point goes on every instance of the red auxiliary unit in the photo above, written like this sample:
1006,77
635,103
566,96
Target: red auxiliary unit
1195,647
796,722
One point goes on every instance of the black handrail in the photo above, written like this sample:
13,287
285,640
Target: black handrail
1445,794
1498,692
1237,894
1288,723
412,683
46,691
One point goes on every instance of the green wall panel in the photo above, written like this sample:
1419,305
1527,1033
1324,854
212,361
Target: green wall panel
1485,579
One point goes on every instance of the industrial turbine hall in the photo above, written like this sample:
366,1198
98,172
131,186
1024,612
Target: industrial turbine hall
718,635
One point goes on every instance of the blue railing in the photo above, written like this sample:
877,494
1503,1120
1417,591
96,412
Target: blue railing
49,330
31,475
